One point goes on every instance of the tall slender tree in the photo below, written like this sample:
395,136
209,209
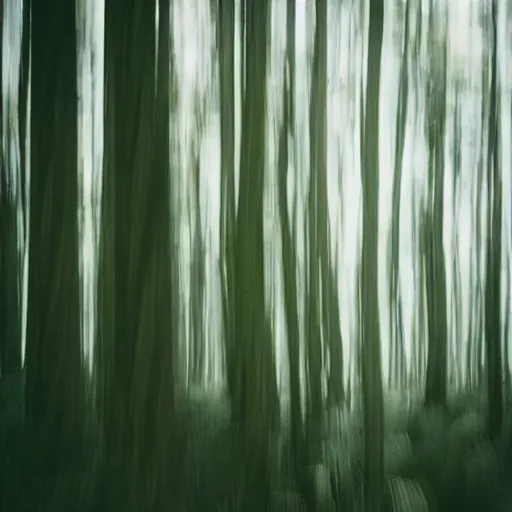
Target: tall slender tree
435,266
257,403
316,230
226,41
475,334
330,318
371,359
288,249
54,357
197,337
493,323
456,306
396,351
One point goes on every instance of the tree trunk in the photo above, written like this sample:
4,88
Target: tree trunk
437,367
316,219
396,347
137,297
256,404
54,357
226,34
493,262
197,285
288,249
371,359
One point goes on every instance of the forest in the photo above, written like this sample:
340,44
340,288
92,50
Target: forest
255,255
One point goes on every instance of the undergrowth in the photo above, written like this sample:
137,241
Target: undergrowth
435,460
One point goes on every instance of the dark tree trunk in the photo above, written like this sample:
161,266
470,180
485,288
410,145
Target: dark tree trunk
435,267
136,299
54,357
256,402
493,322
288,249
371,350
226,41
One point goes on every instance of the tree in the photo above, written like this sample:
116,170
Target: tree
397,355
371,362
493,323
316,233
226,40
435,266
256,403
136,297
288,249
54,362
197,339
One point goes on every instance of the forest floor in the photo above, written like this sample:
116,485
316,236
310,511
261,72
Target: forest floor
435,460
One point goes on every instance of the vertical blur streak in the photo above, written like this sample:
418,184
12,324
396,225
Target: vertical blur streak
456,333
288,247
255,402
396,341
435,264
137,292
129,91
197,353
494,242
11,237
22,108
370,328
226,42
54,361
316,224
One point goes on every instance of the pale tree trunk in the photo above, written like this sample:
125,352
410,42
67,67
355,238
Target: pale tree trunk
12,202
